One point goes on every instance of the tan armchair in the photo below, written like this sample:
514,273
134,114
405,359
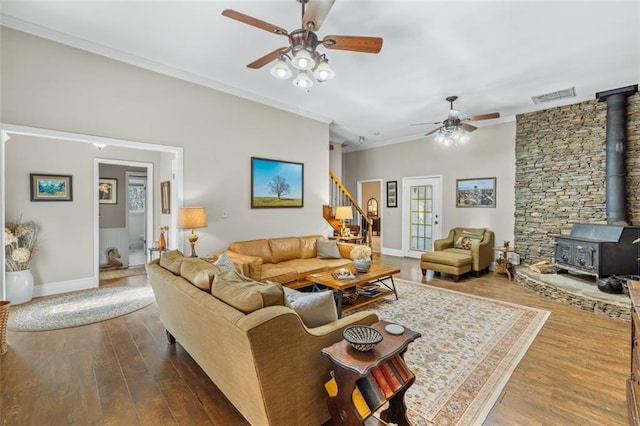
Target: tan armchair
482,252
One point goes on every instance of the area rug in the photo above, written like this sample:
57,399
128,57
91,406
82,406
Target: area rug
469,347
80,308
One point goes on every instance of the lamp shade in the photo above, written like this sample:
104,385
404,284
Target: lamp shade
192,217
344,212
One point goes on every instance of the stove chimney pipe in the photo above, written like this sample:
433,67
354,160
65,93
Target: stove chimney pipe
615,186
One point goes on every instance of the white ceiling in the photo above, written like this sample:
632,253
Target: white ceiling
494,55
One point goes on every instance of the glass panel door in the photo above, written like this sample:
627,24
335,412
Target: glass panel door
422,224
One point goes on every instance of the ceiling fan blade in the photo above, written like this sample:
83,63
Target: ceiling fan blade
433,131
422,124
315,13
250,20
468,127
484,116
353,43
269,57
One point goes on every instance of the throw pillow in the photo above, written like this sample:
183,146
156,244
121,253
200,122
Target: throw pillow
328,249
315,309
474,235
224,262
199,272
463,243
244,294
172,260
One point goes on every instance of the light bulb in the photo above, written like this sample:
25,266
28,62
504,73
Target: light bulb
302,80
323,71
281,70
303,60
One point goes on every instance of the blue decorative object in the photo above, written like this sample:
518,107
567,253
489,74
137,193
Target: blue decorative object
362,265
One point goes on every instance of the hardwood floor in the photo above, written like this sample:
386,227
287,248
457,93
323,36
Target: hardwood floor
123,372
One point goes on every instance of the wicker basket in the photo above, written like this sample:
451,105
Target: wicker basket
362,337
4,317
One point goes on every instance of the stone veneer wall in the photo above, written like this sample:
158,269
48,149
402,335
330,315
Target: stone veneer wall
560,173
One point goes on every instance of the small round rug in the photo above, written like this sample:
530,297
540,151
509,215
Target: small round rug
81,308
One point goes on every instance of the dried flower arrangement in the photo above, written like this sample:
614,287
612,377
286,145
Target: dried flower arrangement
360,251
20,244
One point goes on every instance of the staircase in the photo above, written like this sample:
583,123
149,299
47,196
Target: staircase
340,196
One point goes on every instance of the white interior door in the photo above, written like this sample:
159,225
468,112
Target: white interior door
422,201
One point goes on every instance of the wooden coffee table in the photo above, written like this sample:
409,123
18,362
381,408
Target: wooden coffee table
378,273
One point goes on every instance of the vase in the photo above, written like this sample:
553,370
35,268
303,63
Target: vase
362,265
19,286
161,243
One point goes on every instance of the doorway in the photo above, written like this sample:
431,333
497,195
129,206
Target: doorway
369,198
421,223
137,217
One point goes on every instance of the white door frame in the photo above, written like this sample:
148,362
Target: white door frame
6,130
437,209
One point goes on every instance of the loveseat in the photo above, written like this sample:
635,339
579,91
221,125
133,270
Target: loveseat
476,242
255,349
288,260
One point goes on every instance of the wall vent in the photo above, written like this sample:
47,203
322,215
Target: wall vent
554,96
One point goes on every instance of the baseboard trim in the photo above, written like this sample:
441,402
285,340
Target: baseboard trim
391,252
49,289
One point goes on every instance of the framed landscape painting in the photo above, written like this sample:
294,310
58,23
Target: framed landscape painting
480,192
276,184
108,191
51,187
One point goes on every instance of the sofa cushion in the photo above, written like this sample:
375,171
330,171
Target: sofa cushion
308,247
315,309
199,272
304,267
328,249
474,233
257,248
285,249
278,273
172,260
244,294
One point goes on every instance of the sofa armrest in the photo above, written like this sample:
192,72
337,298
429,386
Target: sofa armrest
483,255
444,243
249,266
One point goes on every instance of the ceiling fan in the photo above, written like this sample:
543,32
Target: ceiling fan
303,43
453,123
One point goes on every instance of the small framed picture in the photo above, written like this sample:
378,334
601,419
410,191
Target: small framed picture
51,187
165,196
392,193
108,191
479,192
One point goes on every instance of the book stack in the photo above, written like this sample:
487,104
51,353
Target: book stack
378,386
339,276
369,290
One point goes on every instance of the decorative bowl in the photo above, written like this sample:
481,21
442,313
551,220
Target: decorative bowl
362,337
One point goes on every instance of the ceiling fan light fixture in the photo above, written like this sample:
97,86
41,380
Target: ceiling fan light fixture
302,80
281,70
302,60
323,71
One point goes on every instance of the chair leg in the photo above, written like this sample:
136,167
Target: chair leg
424,272
455,278
170,338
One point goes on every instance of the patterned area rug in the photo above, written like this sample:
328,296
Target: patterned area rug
81,308
469,347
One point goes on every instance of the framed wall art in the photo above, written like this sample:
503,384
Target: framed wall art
108,191
51,187
392,193
479,192
276,184
165,196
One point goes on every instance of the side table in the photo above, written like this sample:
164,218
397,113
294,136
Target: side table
156,250
350,365
502,266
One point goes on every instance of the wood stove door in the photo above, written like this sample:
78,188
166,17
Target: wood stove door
585,256
564,252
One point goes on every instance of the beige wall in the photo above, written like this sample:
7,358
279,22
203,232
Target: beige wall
489,153
115,215
49,85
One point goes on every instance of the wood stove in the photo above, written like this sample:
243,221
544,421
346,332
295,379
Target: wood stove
599,250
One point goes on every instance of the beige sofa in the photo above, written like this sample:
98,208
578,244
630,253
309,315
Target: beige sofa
481,253
266,362
288,260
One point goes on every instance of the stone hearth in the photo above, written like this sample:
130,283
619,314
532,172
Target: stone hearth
577,290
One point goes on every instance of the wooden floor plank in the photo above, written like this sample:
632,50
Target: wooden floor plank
123,371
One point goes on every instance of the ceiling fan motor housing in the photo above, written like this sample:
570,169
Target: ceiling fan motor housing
303,39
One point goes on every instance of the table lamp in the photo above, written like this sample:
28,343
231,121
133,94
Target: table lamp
343,213
191,218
